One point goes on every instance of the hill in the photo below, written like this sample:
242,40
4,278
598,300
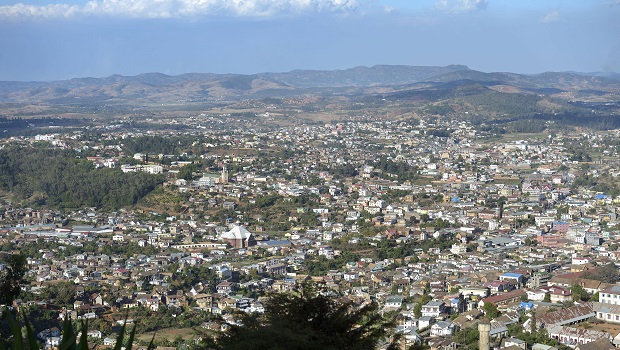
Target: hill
455,91
157,88
380,75
204,87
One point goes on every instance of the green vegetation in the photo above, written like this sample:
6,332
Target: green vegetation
308,319
11,276
533,337
69,341
34,249
167,318
193,275
391,250
530,126
56,178
439,109
402,170
167,145
344,170
606,273
417,309
187,172
321,265
238,82
63,293
504,103
468,338
578,293
490,311
603,183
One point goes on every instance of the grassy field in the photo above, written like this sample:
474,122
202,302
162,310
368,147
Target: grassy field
170,334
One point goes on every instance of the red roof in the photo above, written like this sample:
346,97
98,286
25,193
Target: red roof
505,296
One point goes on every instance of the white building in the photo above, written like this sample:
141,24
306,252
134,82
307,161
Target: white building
610,295
442,329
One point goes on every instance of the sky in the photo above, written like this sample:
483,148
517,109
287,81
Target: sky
42,40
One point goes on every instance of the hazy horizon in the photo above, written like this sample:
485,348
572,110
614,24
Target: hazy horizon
64,39
297,69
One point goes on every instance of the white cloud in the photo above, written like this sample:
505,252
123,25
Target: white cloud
52,10
553,16
178,8
389,9
457,6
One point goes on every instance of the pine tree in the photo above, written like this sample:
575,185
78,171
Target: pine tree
308,320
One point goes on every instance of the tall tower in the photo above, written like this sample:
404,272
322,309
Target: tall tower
224,177
484,329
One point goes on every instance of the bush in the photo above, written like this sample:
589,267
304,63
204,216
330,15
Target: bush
69,340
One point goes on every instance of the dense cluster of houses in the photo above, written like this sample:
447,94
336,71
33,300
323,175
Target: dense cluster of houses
523,235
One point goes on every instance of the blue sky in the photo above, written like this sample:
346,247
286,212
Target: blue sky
63,39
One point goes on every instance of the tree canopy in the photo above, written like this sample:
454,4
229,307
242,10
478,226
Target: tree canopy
308,319
11,276
606,273
187,172
57,178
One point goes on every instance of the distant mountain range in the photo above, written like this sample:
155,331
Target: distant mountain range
431,82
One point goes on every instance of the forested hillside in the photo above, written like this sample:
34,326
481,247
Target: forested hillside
58,179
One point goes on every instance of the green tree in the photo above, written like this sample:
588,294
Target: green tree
606,273
468,338
11,276
25,338
307,319
578,293
62,292
187,172
417,310
594,297
490,311
57,178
